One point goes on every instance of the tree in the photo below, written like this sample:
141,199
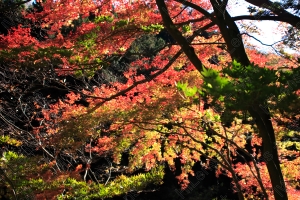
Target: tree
138,110
230,32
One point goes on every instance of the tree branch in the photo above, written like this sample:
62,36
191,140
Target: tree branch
280,11
98,105
188,50
253,17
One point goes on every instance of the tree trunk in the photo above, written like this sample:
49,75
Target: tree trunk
269,152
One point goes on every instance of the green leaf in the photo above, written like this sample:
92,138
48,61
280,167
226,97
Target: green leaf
181,86
190,92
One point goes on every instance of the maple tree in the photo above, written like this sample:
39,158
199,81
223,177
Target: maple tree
188,93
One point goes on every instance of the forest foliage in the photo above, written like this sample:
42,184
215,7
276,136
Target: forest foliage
102,99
